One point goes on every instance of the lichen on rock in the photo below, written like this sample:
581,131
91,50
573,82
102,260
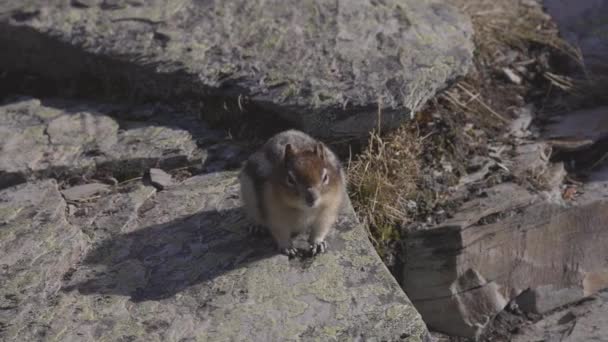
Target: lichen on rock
325,66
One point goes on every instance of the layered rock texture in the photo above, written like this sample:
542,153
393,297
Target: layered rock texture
534,240
328,67
124,223
584,321
85,256
537,240
62,138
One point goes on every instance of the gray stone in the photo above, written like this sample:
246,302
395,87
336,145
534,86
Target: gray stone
531,160
137,264
585,321
509,243
512,76
159,178
179,265
578,129
584,24
37,248
519,127
85,191
328,67
58,139
545,298
83,3
526,245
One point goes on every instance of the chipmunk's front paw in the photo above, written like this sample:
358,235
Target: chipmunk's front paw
318,247
289,251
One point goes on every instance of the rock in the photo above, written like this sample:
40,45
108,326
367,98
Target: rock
159,178
509,242
584,25
179,265
83,3
530,160
138,264
40,139
545,298
328,68
37,249
224,157
519,128
85,191
579,129
584,321
512,76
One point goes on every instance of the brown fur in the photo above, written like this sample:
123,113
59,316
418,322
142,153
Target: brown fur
294,195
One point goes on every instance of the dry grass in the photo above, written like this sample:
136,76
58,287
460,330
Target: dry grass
383,178
500,25
465,97
388,173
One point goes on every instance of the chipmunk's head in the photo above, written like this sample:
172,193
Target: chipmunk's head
307,176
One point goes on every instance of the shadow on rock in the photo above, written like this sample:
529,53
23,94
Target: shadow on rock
160,261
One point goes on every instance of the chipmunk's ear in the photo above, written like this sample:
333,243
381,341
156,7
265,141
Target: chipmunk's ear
290,153
320,151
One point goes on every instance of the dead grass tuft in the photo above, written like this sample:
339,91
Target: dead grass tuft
500,25
383,178
391,171
465,97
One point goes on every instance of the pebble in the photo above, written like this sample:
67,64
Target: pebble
160,179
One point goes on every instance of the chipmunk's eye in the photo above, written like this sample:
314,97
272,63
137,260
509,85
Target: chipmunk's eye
325,176
290,180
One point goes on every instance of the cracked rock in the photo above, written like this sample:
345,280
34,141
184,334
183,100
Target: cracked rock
57,139
584,321
185,250
37,247
507,244
352,57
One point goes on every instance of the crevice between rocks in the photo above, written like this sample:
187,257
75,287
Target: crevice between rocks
73,73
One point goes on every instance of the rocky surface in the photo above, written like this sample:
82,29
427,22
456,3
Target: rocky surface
577,130
584,321
38,247
159,178
61,139
328,67
84,191
532,239
125,261
584,24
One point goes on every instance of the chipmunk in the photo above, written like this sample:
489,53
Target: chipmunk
291,184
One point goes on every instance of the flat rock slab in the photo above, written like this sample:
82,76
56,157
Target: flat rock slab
585,321
578,129
84,191
327,66
55,139
509,244
37,247
178,265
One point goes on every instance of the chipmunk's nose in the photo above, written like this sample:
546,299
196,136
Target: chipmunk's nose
311,197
